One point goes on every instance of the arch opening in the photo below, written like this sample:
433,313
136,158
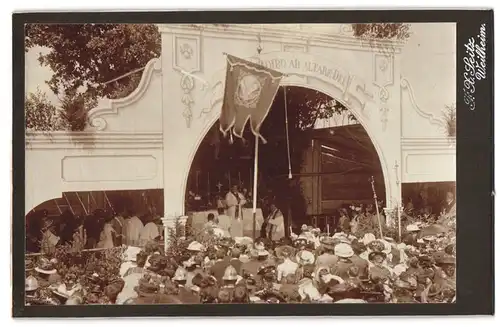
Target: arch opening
332,159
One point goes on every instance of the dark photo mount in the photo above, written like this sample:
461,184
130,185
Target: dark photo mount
474,164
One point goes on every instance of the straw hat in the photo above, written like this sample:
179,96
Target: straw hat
305,257
31,284
368,238
46,267
343,250
196,246
230,274
180,274
412,228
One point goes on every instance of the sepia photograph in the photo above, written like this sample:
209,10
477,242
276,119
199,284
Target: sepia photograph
240,163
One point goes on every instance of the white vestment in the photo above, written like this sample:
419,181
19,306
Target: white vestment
233,206
148,233
134,228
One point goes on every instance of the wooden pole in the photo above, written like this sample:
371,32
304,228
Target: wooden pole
254,192
398,207
372,181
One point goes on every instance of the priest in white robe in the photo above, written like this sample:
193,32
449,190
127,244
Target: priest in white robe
234,202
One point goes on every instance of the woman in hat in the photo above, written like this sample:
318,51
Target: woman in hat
287,267
327,258
140,261
49,239
259,256
47,273
344,224
306,286
378,272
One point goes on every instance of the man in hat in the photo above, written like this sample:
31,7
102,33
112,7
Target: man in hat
220,265
186,295
359,262
344,252
235,259
327,258
412,234
260,256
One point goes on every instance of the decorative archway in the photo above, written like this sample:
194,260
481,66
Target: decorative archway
368,102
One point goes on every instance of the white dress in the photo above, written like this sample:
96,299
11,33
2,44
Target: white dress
106,238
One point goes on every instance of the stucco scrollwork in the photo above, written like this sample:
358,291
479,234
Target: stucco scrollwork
110,106
384,113
433,119
187,61
383,76
187,85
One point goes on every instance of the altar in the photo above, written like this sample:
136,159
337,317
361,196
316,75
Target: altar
197,219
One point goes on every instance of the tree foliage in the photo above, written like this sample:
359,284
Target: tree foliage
41,114
84,57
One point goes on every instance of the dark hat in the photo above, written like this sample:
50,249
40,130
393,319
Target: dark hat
328,243
266,268
372,255
445,260
284,251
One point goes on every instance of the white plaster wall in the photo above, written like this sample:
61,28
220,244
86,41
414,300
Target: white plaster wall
63,163
428,63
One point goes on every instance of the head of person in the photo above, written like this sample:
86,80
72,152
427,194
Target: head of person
377,258
369,208
273,207
235,253
449,197
141,259
234,188
211,217
220,254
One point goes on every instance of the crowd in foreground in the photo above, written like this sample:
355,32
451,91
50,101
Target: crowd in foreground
311,267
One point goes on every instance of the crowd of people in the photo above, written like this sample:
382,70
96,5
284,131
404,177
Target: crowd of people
103,229
349,265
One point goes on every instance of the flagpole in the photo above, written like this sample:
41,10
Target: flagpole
255,174
287,136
